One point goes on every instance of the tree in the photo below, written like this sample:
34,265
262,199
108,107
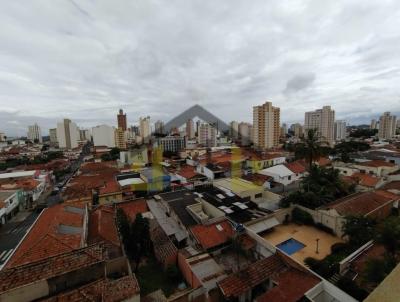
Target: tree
123,227
310,148
377,269
359,229
388,234
140,242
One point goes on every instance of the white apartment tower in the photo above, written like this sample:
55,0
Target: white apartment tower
190,132
387,126
103,135
374,124
34,133
67,134
323,121
266,126
207,135
340,130
234,129
245,132
145,131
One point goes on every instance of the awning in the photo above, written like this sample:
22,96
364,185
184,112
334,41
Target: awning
264,225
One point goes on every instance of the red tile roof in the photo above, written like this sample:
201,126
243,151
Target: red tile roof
376,164
361,203
256,273
47,237
291,287
134,207
102,226
51,266
187,172
394,185
366,180
210,236
27,184
296,167
104,290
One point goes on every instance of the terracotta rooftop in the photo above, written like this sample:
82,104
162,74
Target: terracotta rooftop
163,246
187,172
212,235
291,285
296,167
376,164
26,184
258,179
104,290
394,185
361,203
102,226
256,273
366,180
57,230
51,266
134,207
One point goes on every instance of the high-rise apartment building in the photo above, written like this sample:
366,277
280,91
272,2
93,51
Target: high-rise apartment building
374,124
104,135
297,130
266,126
84,135
34,133
67,134
284,130
190,132
387,126
340,130
53,135
234,130
159,127
323,121
145,130
121,117
120,141
207,135
245,131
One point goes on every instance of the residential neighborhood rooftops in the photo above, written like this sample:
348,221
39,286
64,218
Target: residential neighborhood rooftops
296,167
133,207
376,163
4,195
279,170
361,203
212,235
102,226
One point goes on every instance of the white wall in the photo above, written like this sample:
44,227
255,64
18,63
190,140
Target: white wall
103,135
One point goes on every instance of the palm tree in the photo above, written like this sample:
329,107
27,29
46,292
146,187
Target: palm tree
310,148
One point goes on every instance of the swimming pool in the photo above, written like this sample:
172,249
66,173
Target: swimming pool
290,246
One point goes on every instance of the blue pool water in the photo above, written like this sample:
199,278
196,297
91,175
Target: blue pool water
290,246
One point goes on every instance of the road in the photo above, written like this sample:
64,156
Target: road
13,232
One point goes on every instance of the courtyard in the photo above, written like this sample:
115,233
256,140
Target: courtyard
305,240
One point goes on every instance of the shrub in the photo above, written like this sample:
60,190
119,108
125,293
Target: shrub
339,247
311,262
302,217
351,287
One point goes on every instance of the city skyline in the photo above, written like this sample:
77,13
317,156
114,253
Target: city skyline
85,61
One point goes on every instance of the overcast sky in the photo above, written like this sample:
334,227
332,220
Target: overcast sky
86,59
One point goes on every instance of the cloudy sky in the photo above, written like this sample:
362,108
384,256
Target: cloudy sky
86,59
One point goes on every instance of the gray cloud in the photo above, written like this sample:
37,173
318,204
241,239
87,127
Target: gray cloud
86,59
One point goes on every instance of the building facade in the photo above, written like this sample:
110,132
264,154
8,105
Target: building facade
67,134
172,143
34,133
387,126
145,130
103,135
340,130
120,141
121,118
190,133
374,124
53,135
322,120
266,126
159,127
245,133
207,135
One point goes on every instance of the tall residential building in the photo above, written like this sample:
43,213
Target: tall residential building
159,127
323,121
340,130
53,135
284,130
121,117
387,126
207,135
172,143
266,126
145,130
103,135
120,141
374,124
297,130
135,130
244,133
190,133
67,134
84,135
34,133
234,130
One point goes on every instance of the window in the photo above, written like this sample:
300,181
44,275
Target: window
289,177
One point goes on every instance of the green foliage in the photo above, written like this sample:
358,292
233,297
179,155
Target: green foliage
112,155
359,133
310,148
343,149
388,234
140,243
359,229
349,286
302,217
377,269
123,227
173,273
